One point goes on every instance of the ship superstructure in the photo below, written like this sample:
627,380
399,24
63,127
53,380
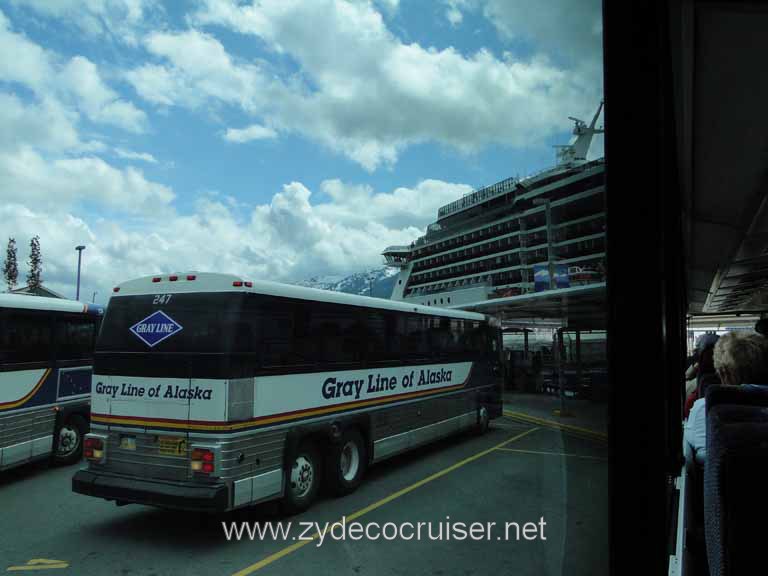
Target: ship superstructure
503,240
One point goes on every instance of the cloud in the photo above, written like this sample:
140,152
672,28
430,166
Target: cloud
30,65
390,7
131,155
569,30
360,91
26,176
294,236
403,207
99,102
454,11
252,132
197,70
44,160
47,125
74,84
121,20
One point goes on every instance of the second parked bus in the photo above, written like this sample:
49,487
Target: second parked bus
46,350
212,393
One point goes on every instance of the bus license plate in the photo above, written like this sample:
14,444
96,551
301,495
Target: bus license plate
173,446
128,442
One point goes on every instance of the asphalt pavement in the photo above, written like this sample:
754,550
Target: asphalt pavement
543,485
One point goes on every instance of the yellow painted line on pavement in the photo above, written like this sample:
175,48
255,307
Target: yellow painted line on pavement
519,451
39,564
293,547
559,425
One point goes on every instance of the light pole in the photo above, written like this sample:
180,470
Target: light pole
79,259
550,251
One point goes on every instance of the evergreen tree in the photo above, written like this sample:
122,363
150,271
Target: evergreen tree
11,267
35,264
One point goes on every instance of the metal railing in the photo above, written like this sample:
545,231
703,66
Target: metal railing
483,194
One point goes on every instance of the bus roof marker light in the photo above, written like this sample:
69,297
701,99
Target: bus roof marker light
116,289
173,278
191,277
249,284
237,283
156,279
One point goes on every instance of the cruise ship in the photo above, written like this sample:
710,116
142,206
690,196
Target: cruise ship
518,236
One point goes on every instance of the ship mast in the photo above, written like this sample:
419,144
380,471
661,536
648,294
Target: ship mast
576,151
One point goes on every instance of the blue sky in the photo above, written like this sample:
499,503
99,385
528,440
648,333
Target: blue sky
276,139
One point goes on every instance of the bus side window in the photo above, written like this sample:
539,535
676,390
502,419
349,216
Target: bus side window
417,344
376,340
440,337
276,327
472,338
5,346
28,337
336,330
304,349
74,338
455,346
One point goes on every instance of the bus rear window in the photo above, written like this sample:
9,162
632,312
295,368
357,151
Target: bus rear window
208,323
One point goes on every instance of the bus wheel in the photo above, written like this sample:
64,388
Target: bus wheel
482,420
69,440
302,481
346,463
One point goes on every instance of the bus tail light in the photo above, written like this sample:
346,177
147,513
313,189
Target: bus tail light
95,448
203,460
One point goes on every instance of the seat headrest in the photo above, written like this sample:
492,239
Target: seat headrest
750,395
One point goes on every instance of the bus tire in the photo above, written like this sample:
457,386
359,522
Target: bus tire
68,440
483,420
346,463
302,478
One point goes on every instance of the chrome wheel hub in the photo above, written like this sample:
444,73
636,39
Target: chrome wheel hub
68,441
302,476
483,418
349,461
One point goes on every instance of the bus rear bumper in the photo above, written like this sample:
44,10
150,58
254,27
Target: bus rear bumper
151,493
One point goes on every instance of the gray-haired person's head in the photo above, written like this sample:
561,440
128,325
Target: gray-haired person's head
742,358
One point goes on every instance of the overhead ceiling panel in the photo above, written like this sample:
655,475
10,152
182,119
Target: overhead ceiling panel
728,217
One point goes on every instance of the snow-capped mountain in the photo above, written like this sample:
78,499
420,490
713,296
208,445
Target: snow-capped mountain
357,283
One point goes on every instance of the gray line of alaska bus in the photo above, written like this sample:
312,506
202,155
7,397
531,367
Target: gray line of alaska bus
46,349
212,393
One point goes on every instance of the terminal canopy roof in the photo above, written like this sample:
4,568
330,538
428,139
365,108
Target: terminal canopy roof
579,307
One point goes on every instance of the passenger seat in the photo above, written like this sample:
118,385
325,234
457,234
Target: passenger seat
736,479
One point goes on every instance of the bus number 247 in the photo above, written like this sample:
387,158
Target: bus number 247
162,298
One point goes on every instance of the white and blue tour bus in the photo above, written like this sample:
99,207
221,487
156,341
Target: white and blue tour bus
46,352
212,393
